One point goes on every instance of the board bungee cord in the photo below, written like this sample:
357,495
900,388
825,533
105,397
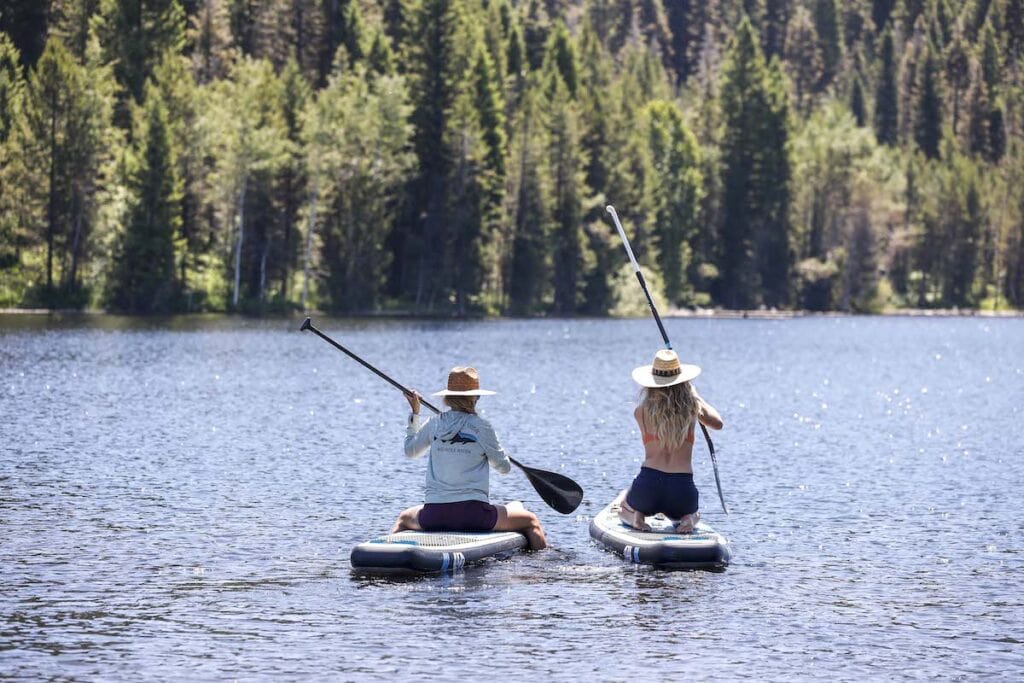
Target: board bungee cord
664,336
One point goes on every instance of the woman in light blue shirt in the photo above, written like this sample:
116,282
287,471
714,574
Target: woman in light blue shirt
461,445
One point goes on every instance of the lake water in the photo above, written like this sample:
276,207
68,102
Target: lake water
178,500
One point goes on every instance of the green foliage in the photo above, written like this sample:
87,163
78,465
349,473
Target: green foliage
830,39
135,34
928,115
456,156
143,279
356,137
677,191
58,148
887,93
755,256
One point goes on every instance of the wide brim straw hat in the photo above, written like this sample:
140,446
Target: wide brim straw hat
463,382
665,371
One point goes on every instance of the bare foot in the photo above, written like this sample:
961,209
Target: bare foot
688,523
639,522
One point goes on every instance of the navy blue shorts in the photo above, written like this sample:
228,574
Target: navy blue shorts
464,515
671,493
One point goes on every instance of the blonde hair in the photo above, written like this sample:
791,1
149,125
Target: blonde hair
463,404
668,413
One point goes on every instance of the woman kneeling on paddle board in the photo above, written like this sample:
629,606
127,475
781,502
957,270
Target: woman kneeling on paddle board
461,444
667,415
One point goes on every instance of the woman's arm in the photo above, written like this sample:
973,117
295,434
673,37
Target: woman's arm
417,439
492,448
707,414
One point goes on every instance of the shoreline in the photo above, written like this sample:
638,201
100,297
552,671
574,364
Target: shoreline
712,313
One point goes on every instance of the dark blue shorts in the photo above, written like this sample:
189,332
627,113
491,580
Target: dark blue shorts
671,493
464,515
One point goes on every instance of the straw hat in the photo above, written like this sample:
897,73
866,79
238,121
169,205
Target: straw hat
463,382
665,371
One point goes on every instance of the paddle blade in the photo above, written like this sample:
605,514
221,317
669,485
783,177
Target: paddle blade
306,324
560,492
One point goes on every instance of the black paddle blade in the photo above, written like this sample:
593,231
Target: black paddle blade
560,492
306,324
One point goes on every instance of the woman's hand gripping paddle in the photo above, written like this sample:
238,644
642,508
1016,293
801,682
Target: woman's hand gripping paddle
664,335
557,490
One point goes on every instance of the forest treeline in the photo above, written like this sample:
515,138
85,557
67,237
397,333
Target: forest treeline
456,156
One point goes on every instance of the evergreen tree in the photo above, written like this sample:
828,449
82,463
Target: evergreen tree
381,58
295,94
536,27
755,178
567,192
70,21
356,136
25,23
398,21
61,151
11,86
529,264
561,59
777,17
803,57
887,93
857,106
12,237
991,62
678,188
210,38
143,280
830,39
928,110
881,10
135,34
440,61
1013,25
958,74
688,21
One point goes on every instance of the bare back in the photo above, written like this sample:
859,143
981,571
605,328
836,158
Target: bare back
657,456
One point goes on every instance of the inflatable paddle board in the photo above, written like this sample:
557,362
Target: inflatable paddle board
702,548
433,551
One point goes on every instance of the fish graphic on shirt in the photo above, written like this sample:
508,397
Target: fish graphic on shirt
461,437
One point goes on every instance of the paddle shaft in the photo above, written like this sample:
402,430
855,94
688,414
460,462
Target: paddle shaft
664,335
307,325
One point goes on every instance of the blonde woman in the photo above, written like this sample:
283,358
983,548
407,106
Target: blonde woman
668,412
462,445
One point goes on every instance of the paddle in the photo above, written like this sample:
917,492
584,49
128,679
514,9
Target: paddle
664,335
557,490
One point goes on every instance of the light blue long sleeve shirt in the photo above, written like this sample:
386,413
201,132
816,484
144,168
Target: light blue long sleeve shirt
461,446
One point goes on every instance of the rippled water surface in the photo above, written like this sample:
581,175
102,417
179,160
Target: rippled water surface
178,499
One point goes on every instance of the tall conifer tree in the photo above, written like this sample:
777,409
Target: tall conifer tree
886,117
755,178
144,275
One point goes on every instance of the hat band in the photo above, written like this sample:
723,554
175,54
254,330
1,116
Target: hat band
666,373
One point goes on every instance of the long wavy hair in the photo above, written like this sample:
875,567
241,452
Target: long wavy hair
668,412
463,404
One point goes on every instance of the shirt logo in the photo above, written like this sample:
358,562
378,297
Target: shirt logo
461,437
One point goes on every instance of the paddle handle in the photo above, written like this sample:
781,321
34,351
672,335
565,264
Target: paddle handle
639,275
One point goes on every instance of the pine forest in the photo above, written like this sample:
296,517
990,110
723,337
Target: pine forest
455,157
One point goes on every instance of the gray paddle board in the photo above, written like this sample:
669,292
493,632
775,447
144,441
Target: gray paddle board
703,548
433,551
